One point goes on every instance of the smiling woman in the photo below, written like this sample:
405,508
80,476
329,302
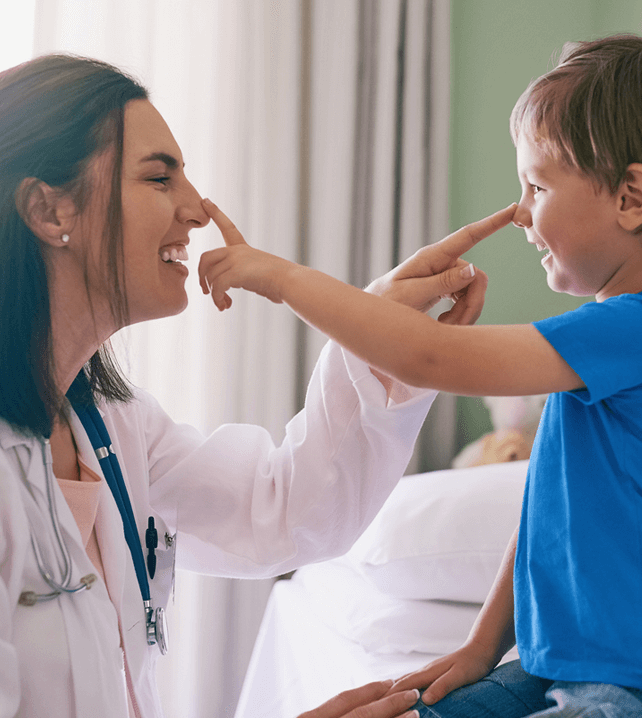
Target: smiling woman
160,206
95,215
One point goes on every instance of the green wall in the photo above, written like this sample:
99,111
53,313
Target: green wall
498,46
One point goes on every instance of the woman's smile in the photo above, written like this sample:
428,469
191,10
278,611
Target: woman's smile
160,207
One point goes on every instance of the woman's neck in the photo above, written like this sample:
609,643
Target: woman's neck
77,332
64,452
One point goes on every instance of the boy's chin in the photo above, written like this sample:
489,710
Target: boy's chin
566,288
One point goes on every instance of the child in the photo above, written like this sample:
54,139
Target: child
576,570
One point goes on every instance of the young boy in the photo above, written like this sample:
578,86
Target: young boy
570,588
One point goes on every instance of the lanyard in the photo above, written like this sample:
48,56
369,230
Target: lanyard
97,432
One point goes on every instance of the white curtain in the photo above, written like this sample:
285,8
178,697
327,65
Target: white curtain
321,128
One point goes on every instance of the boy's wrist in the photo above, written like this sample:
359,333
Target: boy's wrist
491,648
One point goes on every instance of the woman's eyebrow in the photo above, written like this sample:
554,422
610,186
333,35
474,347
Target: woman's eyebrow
171,162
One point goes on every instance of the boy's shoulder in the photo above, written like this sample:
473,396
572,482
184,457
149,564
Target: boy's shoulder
601,342
611,311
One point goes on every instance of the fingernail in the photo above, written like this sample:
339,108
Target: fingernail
468,271
427,698
207,200
388,683
413,714
412,695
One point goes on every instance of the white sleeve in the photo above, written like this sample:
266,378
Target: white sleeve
244,507
12,551
9,674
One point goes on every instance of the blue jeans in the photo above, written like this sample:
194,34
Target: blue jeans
510,692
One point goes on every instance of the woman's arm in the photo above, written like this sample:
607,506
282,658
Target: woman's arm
492,636
396,339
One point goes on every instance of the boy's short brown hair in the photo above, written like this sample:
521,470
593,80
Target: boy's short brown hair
587,111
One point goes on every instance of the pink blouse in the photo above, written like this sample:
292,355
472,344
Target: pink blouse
83,498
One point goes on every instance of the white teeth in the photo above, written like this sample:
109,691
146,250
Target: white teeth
177,253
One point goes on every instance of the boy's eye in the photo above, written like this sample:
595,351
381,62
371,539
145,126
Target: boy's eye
536,188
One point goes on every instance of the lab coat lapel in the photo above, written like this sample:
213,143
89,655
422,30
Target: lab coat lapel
31,460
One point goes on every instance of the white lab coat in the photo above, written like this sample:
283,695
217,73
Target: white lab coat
240,506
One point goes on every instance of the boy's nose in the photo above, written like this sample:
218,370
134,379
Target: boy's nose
522,217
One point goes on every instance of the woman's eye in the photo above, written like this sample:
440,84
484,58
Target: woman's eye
161,180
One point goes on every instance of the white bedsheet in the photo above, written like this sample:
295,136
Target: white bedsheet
298,662
365,616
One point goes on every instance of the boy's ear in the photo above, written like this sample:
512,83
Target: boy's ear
48,213
629,198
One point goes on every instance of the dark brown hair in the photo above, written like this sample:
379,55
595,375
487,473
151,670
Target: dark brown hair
57,113
587,111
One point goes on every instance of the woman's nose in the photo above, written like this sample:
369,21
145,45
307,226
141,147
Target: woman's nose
190,209
522,217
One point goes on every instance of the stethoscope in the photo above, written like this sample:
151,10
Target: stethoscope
99,436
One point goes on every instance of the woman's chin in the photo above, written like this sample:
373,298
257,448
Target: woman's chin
167,308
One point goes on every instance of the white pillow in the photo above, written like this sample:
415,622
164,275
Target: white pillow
442,535
348,602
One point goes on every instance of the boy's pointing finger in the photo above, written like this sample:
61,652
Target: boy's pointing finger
228,229
467,237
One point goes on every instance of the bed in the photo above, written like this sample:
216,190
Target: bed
407,592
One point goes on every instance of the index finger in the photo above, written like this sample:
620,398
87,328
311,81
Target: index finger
228,229
459,242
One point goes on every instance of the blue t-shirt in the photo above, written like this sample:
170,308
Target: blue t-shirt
578,568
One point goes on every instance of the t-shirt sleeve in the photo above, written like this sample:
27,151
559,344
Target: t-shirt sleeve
602,343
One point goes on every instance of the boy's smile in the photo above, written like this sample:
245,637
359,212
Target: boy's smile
577,223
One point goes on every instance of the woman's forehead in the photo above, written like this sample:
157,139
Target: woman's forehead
147,137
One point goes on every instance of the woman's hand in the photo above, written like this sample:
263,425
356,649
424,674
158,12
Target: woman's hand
467,665
437,271
369,701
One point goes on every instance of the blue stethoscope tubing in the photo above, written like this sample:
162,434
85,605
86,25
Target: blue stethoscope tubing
97,432
94,425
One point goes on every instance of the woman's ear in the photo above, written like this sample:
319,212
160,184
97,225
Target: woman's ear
629,198
49,214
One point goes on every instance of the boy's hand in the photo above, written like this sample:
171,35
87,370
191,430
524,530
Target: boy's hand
467,665
366,702
237,265
433,273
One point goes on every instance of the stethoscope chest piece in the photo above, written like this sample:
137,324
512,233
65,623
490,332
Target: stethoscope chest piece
157,633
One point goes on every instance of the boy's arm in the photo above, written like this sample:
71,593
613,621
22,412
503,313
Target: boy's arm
393,338
492,636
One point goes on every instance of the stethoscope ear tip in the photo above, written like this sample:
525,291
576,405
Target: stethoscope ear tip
89,580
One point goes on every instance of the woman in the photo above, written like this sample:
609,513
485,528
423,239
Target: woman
95,214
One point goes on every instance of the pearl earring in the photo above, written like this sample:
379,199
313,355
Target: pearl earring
65,238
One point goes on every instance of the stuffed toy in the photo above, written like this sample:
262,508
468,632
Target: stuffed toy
515,420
